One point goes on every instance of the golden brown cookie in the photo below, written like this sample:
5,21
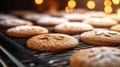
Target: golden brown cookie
114,17
34,16
101,38
115,28
52,42
76,17
26,31
100,22
96,57
7,23
72,28
96,14
7,16
50,21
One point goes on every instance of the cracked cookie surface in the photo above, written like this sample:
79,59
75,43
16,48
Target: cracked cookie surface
52,42
101,38
96,57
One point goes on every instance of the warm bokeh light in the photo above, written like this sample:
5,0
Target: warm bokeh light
68,9
91,4
71,3
116,2
118,11
38,1
108,9
107,3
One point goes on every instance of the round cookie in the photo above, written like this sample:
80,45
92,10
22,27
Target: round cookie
76,17
25,31
52,42
50,21
6,16
101,38
100,22
72,28
96,57
114,17
7,23
34,17
96,14
115,28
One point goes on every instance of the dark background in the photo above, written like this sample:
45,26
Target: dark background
7,5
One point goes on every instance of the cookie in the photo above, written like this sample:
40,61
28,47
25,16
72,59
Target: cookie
25,31
115,28
76,17
51,21
100,22
7,23
52,42
114,17
72,28
34,17
101,38
7,16
96,57
96,14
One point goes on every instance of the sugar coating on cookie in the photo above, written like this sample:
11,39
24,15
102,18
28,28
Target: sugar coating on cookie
97,14
34,17
26,31
52,42
73,28
115,28
20,28
101,38
101,22
114,17
51,21
7,23
7,16
76,16
96,57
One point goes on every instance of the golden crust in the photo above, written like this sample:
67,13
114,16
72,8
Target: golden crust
101,38
25,31
8,23
73,28
96,57
52,42
100,22
115,28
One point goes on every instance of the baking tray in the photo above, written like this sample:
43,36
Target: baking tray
36,58
45,58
